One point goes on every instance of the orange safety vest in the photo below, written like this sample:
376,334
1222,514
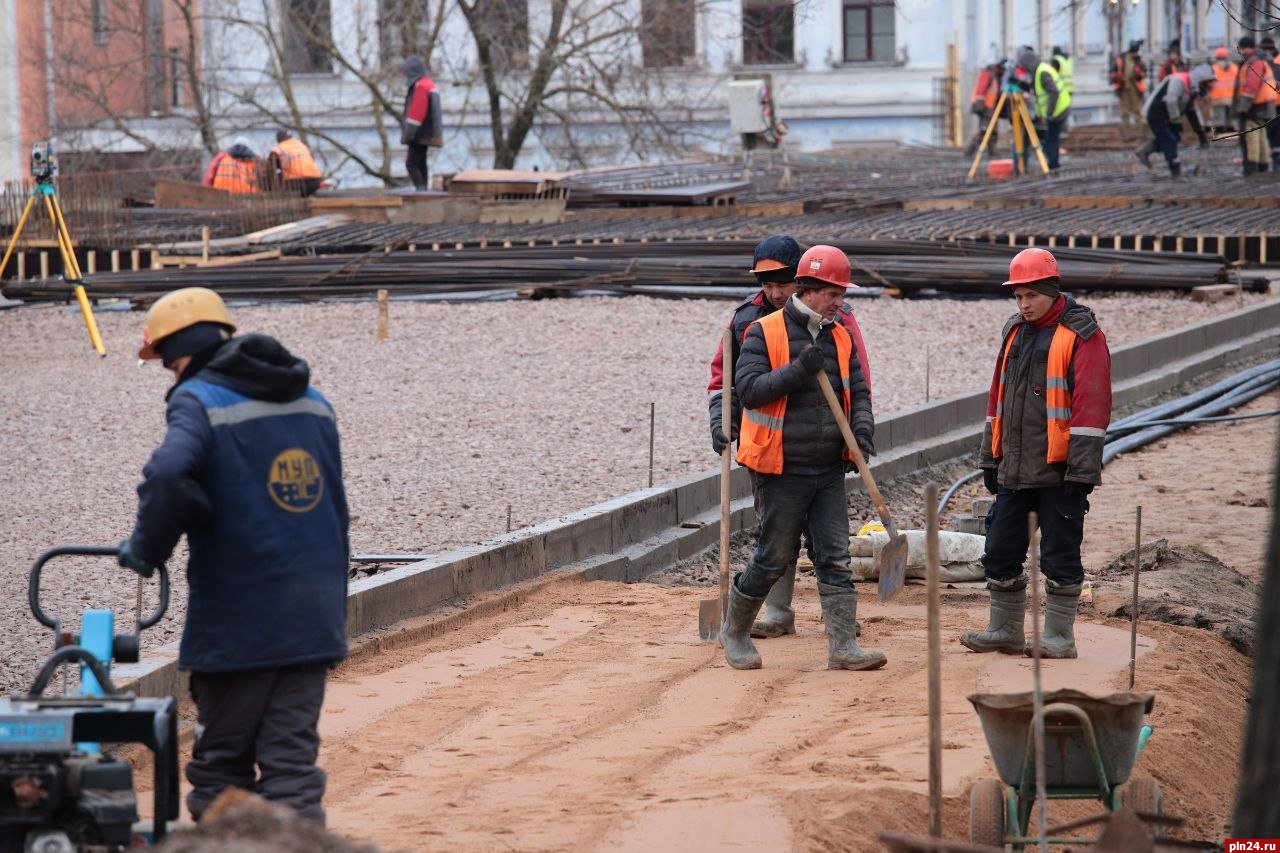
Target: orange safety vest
236,176
760,440
1224,81
1057,396
985,89
295,160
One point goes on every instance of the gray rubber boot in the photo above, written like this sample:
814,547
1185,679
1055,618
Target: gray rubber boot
735,633
1058,640
778,618
840,612
1144,153
1004,633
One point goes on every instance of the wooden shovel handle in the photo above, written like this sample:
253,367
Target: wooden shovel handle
726,462
836,409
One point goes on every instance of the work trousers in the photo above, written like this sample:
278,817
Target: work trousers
303,186
416,163
1130,105
790,504
1254,142
1166,139
1053,141
1060,511
257,730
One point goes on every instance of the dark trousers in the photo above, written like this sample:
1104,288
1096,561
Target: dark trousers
257,730
303,186
1166,139
790,505
1053,141
416,163
1060,511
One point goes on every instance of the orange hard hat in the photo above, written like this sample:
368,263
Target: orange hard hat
1032,265
826,264
1221,53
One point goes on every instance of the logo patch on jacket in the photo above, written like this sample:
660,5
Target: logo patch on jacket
295,482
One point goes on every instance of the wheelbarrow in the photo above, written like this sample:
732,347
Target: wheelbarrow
1090,746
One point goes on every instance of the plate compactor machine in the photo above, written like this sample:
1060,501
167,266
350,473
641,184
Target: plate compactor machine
59,793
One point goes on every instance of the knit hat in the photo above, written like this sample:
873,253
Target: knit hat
190,341
1045,287
775,259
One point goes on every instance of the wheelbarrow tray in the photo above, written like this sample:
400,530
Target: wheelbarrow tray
1116,721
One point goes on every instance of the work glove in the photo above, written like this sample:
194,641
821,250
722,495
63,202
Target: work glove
718,439
991,479
127,559
865,444
1204,140
811,359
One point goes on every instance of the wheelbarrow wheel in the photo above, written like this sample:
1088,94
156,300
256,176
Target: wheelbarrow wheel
987,813
1143,795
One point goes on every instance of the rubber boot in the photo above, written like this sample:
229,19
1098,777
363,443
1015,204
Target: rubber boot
1249,168
1175,170
1144,153
778,618
1004,633
735,633
1058,640
840,613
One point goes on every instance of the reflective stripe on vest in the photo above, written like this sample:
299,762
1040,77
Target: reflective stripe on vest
1057,395
236,176
295,160
760,440
1042,95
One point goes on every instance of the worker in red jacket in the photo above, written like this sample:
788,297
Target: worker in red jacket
1047,417
421,120
774,266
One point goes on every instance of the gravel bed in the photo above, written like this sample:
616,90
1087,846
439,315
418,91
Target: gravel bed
468,409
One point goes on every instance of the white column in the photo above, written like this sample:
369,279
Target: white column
11,159
1044,36
1077,28
1156,42
1009,28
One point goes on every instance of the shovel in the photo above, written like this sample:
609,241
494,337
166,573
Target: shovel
711,611
892,563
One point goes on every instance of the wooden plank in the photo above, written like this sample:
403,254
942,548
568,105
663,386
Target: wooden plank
217,261
325,203
1212,292
184,194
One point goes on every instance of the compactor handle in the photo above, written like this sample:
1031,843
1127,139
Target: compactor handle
33,583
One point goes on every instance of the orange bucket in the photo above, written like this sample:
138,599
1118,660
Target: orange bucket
1000,169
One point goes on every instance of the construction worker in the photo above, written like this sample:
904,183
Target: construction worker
1174,97
1047,416
1019,83
237,172
1268,45
250,471
1128,81
791,441
1254,101
1224,72
986,92
774,266
1066,68
1173,61
292,164
421,122
1052,102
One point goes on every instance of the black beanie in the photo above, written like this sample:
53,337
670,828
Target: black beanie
190,341
1045,287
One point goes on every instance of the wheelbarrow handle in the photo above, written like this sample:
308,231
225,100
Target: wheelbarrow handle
863,469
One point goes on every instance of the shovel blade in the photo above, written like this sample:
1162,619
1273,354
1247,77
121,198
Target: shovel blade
893,567
709,619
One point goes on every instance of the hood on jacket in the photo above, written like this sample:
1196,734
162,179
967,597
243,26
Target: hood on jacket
259,366
1201,74
1028,58
240,149
414,67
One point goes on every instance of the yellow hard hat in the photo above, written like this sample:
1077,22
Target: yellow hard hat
175,311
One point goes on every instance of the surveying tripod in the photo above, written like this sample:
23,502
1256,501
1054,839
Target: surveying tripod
70,267
1018,115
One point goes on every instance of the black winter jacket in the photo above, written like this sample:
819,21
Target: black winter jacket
811,439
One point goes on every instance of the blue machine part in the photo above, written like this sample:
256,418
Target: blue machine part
97,632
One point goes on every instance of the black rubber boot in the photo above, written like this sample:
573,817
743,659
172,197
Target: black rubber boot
778,618
840,612
1250,168
1058,640
1004,632
1144,153
1175,170
735,633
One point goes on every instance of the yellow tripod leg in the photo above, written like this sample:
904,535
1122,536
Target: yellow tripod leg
13,241
1015,119
1035,139
986,137
73,270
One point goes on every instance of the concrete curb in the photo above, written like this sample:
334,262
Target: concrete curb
632,536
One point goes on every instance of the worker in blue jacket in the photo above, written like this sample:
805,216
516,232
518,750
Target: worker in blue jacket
250,470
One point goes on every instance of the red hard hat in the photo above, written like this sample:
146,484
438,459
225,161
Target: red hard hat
1032,265
826,264
1221,53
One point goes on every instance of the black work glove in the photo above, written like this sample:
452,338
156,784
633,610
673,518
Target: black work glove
991,479
1082,489
865,444
719,441
127,559
1204,140
811,359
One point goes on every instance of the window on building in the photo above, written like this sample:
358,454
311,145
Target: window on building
176,76
404,26
308,39
506,24
98,13
768,32
868,31
667,31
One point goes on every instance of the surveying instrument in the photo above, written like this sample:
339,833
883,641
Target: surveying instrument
1019,117
44,168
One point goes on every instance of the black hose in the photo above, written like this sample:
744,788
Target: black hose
1190,421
